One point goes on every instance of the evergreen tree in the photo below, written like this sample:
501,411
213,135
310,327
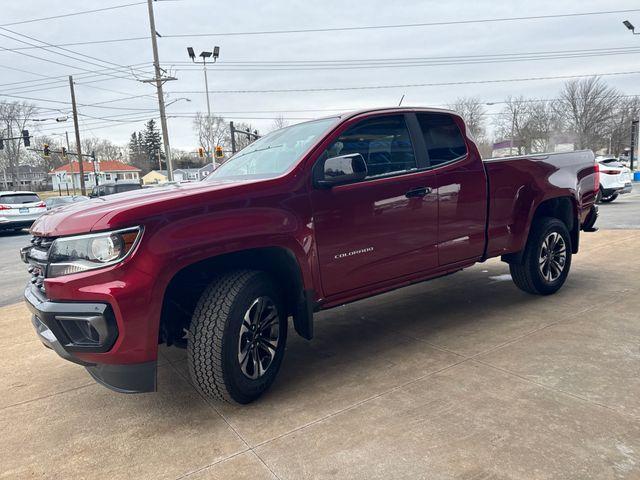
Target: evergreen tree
152,144
137,153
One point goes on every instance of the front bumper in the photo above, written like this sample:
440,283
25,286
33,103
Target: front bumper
72,327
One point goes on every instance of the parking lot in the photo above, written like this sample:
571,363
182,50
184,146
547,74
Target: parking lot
462,377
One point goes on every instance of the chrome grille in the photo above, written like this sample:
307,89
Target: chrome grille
37,258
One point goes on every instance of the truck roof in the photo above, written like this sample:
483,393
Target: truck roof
353,113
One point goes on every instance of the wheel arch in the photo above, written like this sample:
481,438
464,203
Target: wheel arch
187,284
565,209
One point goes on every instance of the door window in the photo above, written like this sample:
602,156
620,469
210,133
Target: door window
383,142
442,137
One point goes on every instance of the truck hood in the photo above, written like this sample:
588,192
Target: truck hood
129,207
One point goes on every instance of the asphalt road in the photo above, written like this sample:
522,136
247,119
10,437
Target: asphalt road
623,213
13,273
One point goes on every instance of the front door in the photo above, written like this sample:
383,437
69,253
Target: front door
385,226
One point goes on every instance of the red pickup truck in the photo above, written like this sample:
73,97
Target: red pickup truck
309,217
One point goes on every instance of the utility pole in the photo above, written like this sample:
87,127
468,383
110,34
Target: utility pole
83,190
158,81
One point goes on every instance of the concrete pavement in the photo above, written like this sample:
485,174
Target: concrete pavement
462,377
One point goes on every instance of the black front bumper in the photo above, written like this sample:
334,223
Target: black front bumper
71,327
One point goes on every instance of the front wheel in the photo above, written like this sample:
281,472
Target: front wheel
546,260
237,337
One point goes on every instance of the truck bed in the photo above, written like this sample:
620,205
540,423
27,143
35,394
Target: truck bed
516,183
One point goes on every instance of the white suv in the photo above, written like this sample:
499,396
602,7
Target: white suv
615,179
19,209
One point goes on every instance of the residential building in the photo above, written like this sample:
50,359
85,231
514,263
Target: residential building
106,171
29,178
179,175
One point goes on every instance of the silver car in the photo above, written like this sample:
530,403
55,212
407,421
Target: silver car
19,209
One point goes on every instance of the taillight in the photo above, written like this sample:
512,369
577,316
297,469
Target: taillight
4,207
41,205
610,172
596,187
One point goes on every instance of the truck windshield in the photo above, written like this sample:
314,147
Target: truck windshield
273,154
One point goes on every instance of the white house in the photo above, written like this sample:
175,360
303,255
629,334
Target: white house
179,175
107,171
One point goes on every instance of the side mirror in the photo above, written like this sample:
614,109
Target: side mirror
340,170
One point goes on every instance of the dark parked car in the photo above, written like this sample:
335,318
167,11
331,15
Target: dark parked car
116,187
54,202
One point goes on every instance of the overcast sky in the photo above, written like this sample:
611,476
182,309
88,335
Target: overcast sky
209,17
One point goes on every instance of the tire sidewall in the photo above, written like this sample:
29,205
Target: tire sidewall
542,285
241,388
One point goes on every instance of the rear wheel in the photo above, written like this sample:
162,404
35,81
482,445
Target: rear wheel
546,260
237,337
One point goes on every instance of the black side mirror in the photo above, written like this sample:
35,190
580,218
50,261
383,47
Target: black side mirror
340,170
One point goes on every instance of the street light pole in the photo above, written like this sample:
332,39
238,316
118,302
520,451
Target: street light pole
214,54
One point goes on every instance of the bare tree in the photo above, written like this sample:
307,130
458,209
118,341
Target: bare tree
211,132
475,115
278,123
13,119
587,107
619,127
103,148
512,122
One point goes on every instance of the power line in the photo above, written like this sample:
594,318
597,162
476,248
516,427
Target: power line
72,14
401,25
50,48
409,85
373,65
339,29
411,59
55,78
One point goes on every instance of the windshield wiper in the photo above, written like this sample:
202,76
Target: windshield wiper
258,150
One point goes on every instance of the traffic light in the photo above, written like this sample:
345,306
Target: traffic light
46,150
25,138
201,152
64,152
219,152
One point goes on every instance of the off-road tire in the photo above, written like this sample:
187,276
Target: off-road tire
213,339
527,275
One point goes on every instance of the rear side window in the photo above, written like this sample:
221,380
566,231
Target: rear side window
16,199
383,142
442,137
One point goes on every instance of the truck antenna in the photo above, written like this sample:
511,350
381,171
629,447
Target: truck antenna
401,99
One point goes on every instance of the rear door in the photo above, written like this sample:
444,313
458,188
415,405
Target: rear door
462,187
385,226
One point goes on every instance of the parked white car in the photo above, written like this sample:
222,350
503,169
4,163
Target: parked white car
19,209
615,179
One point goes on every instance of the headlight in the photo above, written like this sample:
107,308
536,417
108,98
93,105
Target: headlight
87,252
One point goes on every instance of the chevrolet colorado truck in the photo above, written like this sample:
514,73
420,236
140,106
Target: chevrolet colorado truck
309,217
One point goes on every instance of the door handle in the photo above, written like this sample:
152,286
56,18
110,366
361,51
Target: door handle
418,192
